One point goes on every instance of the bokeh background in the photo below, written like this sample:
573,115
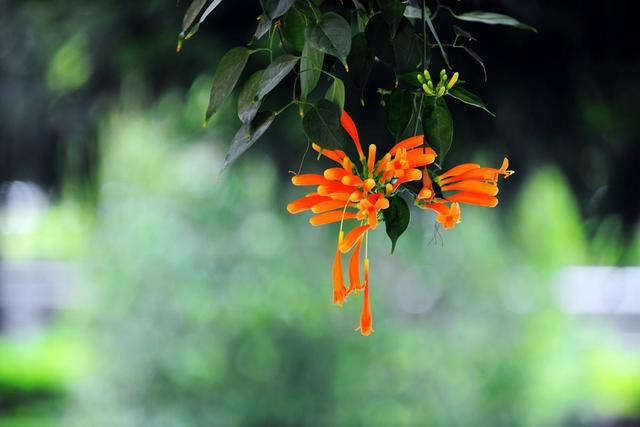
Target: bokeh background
141,287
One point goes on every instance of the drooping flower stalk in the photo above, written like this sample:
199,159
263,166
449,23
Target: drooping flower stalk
349,192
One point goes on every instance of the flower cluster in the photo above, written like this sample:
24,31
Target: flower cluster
360,192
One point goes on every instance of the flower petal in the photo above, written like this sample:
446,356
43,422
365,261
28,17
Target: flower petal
351,238
347,123
305,203
473,186
339,291
474,199
408,143
354,269
329,217
309,179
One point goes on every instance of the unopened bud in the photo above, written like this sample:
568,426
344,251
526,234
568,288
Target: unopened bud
453,80
443,72
427,89
420,78
427,76
441,91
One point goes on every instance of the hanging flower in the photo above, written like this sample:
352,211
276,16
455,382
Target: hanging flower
361,192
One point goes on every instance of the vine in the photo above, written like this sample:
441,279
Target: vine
343,40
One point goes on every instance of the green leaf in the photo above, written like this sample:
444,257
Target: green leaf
438,126
435,35
392,11
415,12
247,135
360,62
493,19
226,76
293,25
248,105
264,25
478,59
275,8
461,94
335,93
399,111
275,72
407,49
379,39
322,124
192,13
189,19
332,36
310,66
396,218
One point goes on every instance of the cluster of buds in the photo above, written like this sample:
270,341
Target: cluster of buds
444,85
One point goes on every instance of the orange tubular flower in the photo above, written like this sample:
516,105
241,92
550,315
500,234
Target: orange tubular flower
470,183
366,320
475,185
359,193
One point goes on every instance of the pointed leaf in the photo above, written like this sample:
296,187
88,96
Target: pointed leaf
399,111
438,126
396,218
407,49
226,76
192,13
247,135
248,104
332,36
275,72
435,35
360,61
392,11
293,25
322,124
275,8
415,12
264,25
190,17
493,19
461,94
478,59
335,93
379,39
310,66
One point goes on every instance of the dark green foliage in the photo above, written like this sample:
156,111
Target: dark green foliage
357,35
247,135
322,124
226,76
399,111
332,35
438,126
467,97
396,219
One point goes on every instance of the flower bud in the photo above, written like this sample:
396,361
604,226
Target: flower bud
441,91
427,76
420,78
453,80
427,89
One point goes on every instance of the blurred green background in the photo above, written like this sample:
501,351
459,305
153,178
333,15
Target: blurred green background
139,286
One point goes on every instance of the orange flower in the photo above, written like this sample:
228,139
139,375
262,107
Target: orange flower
360,192
470,183
448,215
474,185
